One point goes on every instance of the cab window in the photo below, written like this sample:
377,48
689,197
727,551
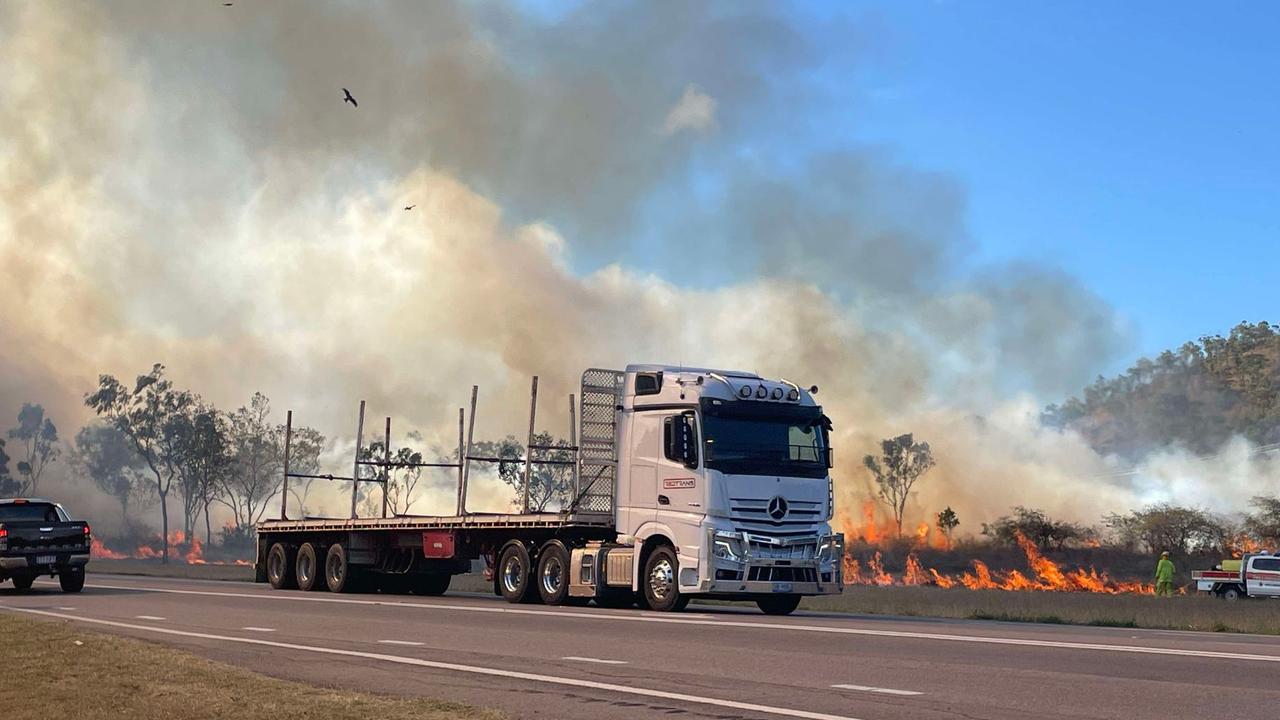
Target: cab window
1272,564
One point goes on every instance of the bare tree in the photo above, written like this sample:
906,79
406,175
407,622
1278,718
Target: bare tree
901,463
107,457
257,448
39,439
146,415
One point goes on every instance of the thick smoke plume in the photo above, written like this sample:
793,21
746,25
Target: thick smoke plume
184,185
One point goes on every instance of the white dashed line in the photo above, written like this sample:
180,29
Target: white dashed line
602,661
401,642
61,607
472,669
870,688
251,628
147,617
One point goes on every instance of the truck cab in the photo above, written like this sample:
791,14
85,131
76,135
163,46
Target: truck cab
725,476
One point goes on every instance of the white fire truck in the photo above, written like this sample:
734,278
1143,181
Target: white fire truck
687,482
1254,575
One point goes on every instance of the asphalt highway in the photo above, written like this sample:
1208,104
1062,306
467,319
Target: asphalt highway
713,661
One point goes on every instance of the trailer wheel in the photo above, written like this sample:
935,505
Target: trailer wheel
660,584
339,576
431,584
72,579
307,568
778,604
553,574
513,574
280,568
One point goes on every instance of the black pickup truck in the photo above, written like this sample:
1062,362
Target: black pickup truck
38,538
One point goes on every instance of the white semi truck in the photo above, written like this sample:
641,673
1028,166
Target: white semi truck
687,483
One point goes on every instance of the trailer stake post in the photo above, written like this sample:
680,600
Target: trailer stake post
355,468
573,443
386,469
284,488
462,450
528,449
466,456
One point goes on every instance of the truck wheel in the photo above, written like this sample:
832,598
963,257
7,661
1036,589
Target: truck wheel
778,604
553,574
23,582
1232,593
431,584
339,576
659,585
513,574
71,579
307,568
280,568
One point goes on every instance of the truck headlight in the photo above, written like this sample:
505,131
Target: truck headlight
724,551
728,546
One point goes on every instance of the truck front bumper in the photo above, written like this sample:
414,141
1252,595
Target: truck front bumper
743,563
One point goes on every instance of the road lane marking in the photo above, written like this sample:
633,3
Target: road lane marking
251,628
63,607
402,642
872,688
147,617
602,661
786,627
455,667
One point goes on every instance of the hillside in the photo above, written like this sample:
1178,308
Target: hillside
1197,396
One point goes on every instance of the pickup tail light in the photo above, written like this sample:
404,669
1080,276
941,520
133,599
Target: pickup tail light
4,539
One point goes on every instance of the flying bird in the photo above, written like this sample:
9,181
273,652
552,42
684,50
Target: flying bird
410,207
348,98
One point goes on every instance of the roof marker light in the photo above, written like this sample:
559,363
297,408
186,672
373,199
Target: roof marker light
762,392
744,391
777,393
793,395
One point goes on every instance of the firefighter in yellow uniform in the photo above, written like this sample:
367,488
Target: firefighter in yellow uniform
1164,576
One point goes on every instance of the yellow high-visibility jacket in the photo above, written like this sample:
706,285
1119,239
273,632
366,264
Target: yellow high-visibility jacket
1164,570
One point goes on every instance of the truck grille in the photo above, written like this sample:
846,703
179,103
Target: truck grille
798,551
752,515
782,574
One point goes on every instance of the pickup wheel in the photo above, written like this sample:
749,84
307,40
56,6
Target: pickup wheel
1233,593
513,576
431,584
72,579
23,582
339,576
659,584
280,568
307,568
553,574
778,604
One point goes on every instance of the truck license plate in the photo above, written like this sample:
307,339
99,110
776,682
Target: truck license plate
782,587
46,559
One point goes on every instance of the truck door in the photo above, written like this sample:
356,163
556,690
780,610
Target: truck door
645,450
1263,576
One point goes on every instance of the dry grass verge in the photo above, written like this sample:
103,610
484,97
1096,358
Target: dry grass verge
1137,611
175,569
57,670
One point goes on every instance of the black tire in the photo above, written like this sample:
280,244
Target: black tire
339,576
778,604
72,579
1233,593
23,582
431,584
513,574
660,583
307,568
280,568
552,577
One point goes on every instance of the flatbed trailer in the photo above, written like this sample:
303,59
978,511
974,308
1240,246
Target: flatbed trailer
657,511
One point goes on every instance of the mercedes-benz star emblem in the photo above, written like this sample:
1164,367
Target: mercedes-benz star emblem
777,508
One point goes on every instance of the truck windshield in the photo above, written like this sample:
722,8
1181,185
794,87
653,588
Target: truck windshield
37,512
748,438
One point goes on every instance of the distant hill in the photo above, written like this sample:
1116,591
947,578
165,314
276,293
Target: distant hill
1197,396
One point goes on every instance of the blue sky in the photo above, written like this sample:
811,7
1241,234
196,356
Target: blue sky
1133,144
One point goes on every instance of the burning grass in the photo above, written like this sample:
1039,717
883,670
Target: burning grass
49,675
1099,609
